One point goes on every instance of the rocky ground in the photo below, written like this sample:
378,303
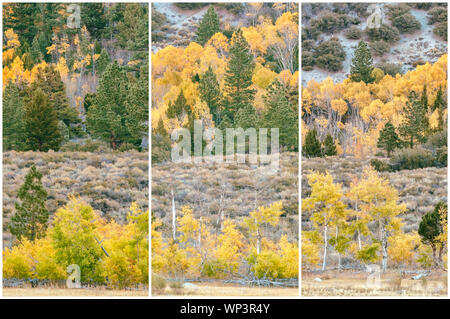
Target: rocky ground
422,45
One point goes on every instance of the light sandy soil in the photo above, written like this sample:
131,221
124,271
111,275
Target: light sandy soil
217,289
333,283
61,292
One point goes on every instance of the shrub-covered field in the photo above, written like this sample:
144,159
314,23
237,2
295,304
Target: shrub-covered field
419,189
109,182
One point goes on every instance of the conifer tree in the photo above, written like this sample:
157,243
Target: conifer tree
41,123
415,123
14,134
161,143
113,108
209,26
329,148
49,81
280,114
103,61
312,148
31,215
238,77
388,139
179,108
210,93
430,229
439,104
362,64
246,117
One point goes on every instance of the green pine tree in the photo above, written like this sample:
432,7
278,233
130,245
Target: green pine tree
14,133
440,105
209,26
179,108
329,148
133,27
246,117
210,93
102,63
388,139
415,123
430,228
238,77
280,114
312,148
49,81
362,64
161,143
31,215
41,123
112,109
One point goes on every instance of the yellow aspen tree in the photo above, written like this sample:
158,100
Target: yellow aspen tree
326,205
261,216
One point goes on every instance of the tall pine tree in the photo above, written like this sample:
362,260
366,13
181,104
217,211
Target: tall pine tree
14,134
210,93
362,64
209,26
415,124
238,77
112,108
388,139
49,81
280,114
329,148
311,148
41,123
31,215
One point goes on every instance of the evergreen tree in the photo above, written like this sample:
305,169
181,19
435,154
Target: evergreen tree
246,117
209,26
238,77
89,99
415,123
49,81
35,52
161,143
94,18
137,110
388,139
133,27
329,148
430,229
119,110
14,134
31,215
312,148
439,104
178,109
210,93
102,63
362,64
280,114
41,123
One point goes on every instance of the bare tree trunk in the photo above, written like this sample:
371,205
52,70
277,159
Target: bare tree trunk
258,241
174,218
325,239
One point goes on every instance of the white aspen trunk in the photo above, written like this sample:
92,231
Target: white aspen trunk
339,254
325,239
174,218
258,242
